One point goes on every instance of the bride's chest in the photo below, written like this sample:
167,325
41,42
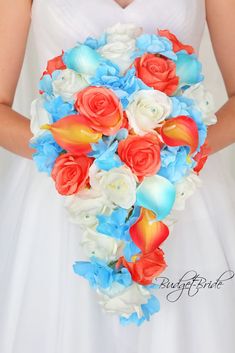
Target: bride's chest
67,21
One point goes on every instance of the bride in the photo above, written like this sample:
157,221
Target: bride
44,307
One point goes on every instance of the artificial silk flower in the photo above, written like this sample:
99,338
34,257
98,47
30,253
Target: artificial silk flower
157,72
123,32
205,102
67,84
118,184
141,154
101,108
101,246
144,268
84,207
119,52
177,45
70,173
124,300
184,189
147,109
39,116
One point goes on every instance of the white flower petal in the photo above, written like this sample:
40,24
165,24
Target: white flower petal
205,102
119,52
118,184
124,301
147,109
86,205
39,116
102,246
184,189
122,31
67,84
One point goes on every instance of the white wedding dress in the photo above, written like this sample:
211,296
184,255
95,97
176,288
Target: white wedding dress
44,306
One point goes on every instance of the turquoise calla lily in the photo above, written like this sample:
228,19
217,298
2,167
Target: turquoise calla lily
157,194
82,59
188,68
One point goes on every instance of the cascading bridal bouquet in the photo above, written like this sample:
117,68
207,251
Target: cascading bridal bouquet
121,126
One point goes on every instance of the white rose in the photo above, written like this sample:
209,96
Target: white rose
119,52
123,32
101,246
147,110
68,83
205,102
86,205
117,184
39,116
184,189
124,301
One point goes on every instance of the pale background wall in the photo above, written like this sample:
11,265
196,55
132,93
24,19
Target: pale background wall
213,82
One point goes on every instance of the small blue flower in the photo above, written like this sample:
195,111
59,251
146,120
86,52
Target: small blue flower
175,163
106,157
100,274
122,277
95,43
120,135
107,70
45,84
130,250
47,152
97,272
117,225
155,44
188,68
123,86
58,108
150,308
104,151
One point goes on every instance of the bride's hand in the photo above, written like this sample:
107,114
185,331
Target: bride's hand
221,23
14,26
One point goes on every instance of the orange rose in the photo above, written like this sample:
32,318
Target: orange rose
157,72
146,267
141,154
70,173
125,122
102,109
177,45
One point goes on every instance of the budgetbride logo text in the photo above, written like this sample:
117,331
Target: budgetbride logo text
191,283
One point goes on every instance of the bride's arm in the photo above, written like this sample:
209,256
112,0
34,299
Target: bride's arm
221,23
14,26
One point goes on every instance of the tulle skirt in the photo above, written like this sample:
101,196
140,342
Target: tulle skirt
45,307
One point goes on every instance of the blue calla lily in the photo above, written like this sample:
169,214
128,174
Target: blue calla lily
82,59
188,68
157,194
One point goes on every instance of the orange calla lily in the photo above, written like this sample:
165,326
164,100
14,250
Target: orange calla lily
148,233
180,131
73,134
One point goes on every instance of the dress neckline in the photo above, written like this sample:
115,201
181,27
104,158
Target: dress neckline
127,6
